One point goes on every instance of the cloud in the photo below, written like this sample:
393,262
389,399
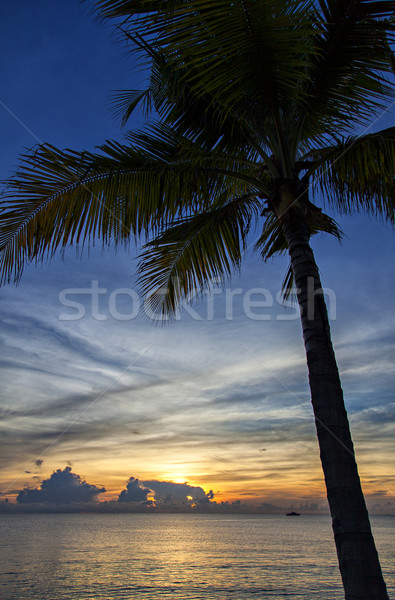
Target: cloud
206,500
63,487
39,462
167,491
56,372
134,492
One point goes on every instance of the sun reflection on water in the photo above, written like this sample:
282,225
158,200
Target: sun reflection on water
182,557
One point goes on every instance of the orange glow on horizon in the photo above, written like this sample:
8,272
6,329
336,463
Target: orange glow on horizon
282,474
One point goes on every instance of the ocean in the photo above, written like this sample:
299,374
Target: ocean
177,557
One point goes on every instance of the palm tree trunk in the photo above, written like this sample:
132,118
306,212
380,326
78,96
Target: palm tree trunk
358,560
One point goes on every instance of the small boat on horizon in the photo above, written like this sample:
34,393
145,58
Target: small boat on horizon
293,514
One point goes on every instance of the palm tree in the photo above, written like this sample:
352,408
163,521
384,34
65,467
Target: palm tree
257,104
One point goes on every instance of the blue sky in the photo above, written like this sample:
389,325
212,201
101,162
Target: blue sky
220,397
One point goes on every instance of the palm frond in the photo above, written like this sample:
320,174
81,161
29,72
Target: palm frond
358,174
60,197
301,69
348,78
288,291
197,115
247,48
125,102
196,250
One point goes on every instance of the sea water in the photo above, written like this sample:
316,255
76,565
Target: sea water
177,557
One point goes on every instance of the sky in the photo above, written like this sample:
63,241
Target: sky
100,403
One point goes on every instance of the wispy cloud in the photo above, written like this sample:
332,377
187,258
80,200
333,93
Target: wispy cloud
196,401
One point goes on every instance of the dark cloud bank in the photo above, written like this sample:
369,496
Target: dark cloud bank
164,493
63,487
134,492
65,491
